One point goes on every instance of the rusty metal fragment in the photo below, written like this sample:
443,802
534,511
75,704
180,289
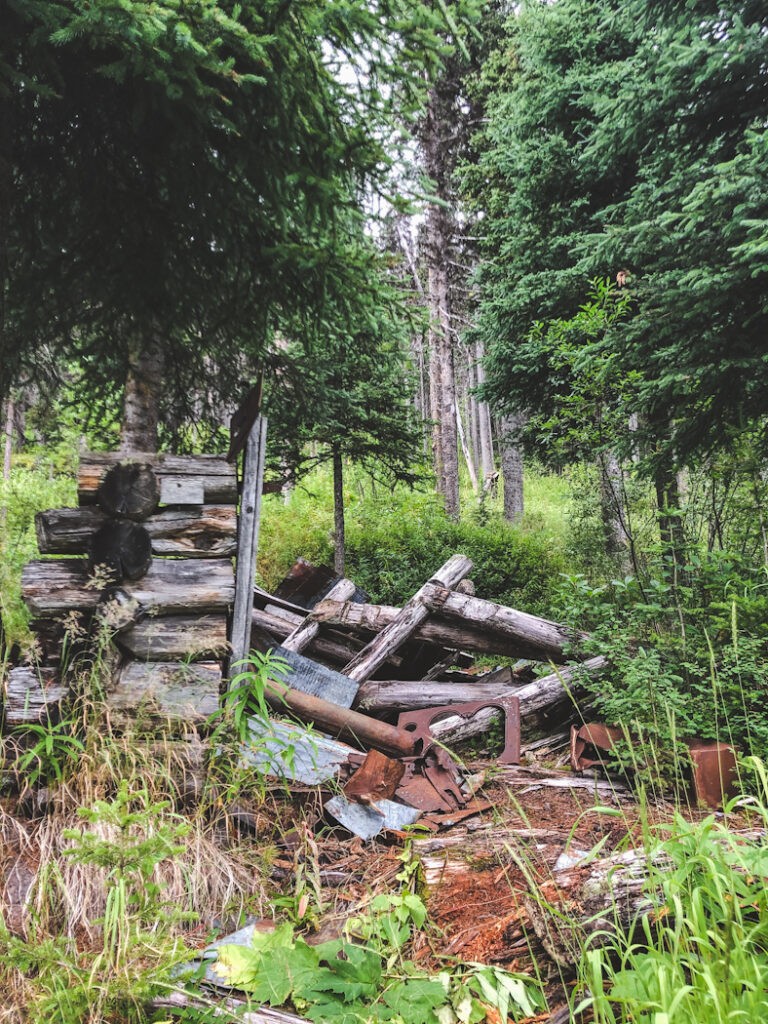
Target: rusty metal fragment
418,723
376,779
713,772
588,740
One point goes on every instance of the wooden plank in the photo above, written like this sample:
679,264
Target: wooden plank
217,476
310,677
248,542
54,587
32,696
364,664
168,690
306,631
207,532
176,637
380,696
181,490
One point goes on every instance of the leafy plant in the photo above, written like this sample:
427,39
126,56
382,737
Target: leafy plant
56,748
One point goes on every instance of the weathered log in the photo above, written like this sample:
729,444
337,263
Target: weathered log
366,619
413,613
207,532
305,633
384,696
548,639
249,525
560,688
129,490
32,696
334,647
120,551
175,638
218,478
53,587
167,690
340,722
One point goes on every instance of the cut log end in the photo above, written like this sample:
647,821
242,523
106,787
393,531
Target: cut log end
124,549
130,490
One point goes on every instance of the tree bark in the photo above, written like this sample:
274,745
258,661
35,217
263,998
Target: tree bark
484,425
439,236
512,468
339,539
8,441
141,405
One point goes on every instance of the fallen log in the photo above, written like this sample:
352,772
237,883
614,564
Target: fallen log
547,638
217,476
306,631
386,696
207,532
366,619
408,619
559,689
54,587
334,649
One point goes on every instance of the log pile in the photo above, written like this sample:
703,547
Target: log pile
148,554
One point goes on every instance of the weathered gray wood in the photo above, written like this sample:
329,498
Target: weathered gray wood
129,490
248,541
122,549
309,677
306,632
333,649
181,490
218,477
32,696
176,637
207,532
168,690
379,696
547,638
366,619
561,687
53,587
364,664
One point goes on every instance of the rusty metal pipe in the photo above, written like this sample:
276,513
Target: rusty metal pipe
340,722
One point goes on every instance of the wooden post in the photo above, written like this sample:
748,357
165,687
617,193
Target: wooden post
248,540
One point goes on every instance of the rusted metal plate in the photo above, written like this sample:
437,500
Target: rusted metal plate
588,740
713,773
419,722
376,779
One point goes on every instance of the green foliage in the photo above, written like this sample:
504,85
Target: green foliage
349,983
53,750
700,955
689,657
628,140
245,697
127,838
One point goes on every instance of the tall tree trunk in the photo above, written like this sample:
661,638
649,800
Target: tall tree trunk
485,428
613,505
143,388
670,520
512,468
8,442
339,538
439,236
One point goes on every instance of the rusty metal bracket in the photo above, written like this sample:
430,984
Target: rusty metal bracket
418,724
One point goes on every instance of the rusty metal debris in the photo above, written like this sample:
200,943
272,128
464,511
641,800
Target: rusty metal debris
418,723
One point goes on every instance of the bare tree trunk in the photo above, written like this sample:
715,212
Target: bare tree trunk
512,468
8,445
338,512
141,408
485,430
613,505
439,236
467,453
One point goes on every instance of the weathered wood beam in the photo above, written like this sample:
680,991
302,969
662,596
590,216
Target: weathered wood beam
249,523
335,647
305,633
32,696
175,637
207,532
217,476
413,613
548,638
56,586
382,696
366,619
187,693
